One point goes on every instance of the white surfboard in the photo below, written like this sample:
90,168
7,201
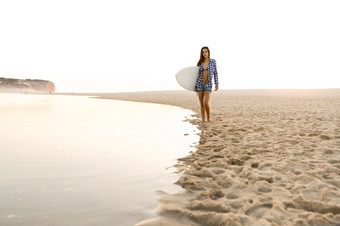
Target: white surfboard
187,77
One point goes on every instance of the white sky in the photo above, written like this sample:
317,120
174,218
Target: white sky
115,46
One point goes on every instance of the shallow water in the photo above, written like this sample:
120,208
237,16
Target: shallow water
71,160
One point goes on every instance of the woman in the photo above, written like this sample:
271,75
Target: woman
203,87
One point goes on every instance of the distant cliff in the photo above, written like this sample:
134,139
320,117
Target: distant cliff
26,85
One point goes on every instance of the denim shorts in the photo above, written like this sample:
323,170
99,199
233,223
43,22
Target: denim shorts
201,89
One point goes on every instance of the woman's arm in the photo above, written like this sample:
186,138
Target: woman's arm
215,76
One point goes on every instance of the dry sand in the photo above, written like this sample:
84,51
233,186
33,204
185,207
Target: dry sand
269,157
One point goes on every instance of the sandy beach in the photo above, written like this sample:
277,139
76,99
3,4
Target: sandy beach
268,157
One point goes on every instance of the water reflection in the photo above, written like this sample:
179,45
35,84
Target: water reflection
69,160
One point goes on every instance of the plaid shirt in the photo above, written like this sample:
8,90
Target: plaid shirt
212,70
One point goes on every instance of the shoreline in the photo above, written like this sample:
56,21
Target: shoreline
268,157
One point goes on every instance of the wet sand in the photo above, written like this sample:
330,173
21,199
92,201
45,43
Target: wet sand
268,157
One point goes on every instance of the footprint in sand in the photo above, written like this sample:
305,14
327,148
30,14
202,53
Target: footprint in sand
235,161
237,204
328,151
222,135
264,189
325,137
232,195
265,166
254,164
259,210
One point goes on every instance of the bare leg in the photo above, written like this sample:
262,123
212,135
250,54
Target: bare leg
200,97
207,95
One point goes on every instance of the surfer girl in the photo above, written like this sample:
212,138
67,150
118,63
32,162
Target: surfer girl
203,86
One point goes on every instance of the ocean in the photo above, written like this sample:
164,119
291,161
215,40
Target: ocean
76,160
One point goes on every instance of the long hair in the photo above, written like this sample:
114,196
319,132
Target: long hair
201,56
